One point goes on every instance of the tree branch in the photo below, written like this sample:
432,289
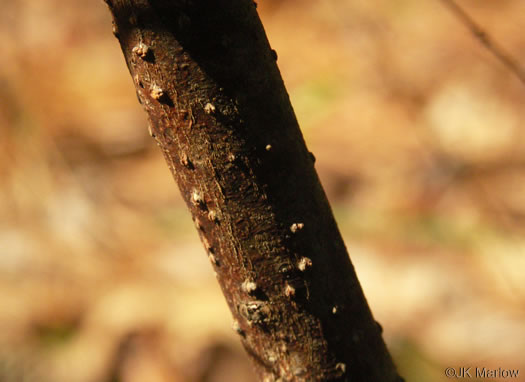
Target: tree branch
218,109
497,51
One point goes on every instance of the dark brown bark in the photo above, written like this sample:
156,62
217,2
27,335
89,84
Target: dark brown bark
207,77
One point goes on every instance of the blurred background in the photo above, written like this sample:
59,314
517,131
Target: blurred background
418,134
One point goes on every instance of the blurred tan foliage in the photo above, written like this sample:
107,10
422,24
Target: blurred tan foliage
418,134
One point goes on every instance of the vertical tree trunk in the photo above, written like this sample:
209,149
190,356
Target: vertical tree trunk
217,106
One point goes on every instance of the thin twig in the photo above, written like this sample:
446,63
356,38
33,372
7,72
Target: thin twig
506,59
